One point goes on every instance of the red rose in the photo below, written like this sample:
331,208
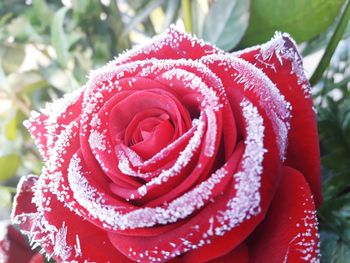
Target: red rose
14,248
178,151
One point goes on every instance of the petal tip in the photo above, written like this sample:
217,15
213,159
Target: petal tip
25,184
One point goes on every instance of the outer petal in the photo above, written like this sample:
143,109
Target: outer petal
239,255
14,248
289,231
174,44
219,252
49,123
281,62
236,213
44,126
243,210
61,234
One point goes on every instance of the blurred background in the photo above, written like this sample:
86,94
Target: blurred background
47,48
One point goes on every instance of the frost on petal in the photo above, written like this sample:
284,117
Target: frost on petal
239,75
289,232
46,125
280,61
59,233
279,52
73,205
191,76
173,44
235,213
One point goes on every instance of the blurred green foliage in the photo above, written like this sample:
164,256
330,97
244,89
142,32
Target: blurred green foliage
48,47
302,19
332,98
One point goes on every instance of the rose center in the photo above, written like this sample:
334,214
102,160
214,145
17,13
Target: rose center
148,121
149,131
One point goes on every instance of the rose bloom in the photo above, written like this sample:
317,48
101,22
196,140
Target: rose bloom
179,152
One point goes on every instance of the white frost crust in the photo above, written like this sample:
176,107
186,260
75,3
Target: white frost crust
167,69
270,98
58,108
172,38
125,167
248,198
129,156
63,141
278,45
210,105
52,112
241,207
246,203
247,187
304,240
42,233
97,140
92,200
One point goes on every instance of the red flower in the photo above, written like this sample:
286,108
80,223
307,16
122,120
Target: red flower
15,249
178,151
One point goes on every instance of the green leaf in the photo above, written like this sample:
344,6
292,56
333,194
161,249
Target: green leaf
5,197
58,37
332,45
8,166
11,128
22,31
321,40
186,9
5,19
302,19
198,15
329,241
342,254
142,15
11,57
61,79
80,6
40,9
3,80
25,81
170,13
226,22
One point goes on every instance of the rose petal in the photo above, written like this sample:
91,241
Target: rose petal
49,123
221,250
239,76
281,62
92,199
74,177
151,70
155,141
289,231
38,258
14,248
174,44
242,80
238,255
61,233
236,213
